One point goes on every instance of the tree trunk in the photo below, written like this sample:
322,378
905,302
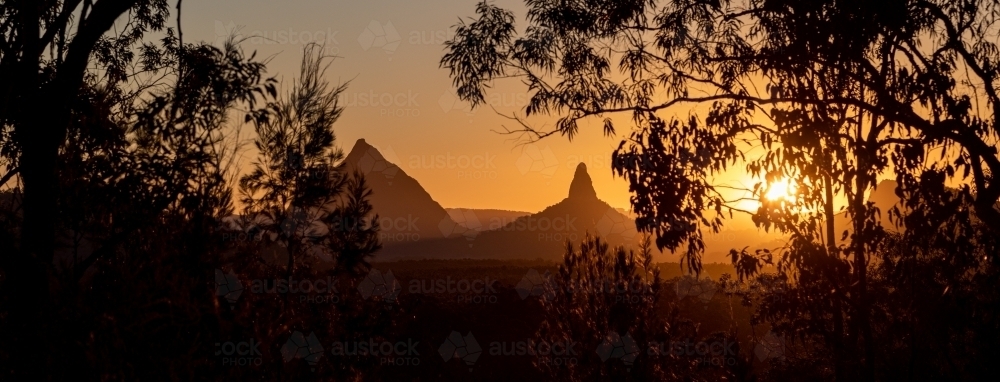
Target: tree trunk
831,243
862,320
28,271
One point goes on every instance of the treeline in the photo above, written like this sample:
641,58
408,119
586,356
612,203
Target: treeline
125,256
828,96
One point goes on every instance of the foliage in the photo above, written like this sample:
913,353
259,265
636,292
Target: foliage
143,212
829,96
598,296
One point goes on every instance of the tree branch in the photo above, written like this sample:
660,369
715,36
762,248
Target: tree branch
9,174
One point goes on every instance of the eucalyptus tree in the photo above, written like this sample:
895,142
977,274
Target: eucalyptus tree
828,95
122,147
299,192
46,48
601,298
115,138
310,219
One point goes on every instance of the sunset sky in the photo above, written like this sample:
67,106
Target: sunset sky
454,154
400,100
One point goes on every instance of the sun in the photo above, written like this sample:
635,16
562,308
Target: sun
781,190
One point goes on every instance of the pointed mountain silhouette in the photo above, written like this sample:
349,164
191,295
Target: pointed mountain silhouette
539,235
406,211
582,188
414,226
544,234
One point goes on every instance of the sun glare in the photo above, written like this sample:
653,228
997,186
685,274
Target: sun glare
782,189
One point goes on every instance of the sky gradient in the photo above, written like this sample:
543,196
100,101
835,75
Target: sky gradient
400,101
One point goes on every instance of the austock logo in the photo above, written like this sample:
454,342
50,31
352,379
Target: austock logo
620,347
380,99
301,347
709,353
243,235
379,35
536,159
388,38
465,348
475,166
239,353
468,291
466,223
398,228
429,37
450,101
615,224
691,286
389,104
290,36
400,353
557,353
318,291
545,287
559,228
716,353
227,285
380,286
326,38
378,161
671,224
536,285
772,346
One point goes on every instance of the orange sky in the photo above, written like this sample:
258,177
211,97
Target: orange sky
400,101
452,152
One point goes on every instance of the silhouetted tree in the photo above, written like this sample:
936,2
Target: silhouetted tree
47,49
294,187
826,89
611,301
306,218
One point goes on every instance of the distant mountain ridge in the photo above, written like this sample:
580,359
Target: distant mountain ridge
544,234
485,219
415,226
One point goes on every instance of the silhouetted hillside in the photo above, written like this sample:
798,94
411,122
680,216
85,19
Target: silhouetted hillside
543,235
414,226
540,235
484,219
406,211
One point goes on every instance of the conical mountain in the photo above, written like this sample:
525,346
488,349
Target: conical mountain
544,234
582,187
406,211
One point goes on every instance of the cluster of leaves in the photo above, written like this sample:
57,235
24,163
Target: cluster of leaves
599,296
305,218
830,96
142,210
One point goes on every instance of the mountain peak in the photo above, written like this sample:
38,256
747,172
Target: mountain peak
362,151
582,187
361,146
